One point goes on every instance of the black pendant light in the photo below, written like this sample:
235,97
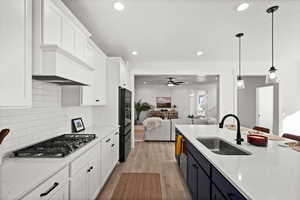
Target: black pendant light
240,82
272,76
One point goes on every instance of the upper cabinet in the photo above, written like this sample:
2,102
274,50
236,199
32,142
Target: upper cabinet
15,57
95,93
59,45
124,75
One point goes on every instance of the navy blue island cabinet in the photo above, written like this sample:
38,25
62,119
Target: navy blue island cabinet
204,181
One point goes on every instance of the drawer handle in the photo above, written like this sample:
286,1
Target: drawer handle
50,189
107,140
97,100
112,145
116,133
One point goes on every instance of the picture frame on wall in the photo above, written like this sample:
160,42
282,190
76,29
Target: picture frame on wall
77,125
163,102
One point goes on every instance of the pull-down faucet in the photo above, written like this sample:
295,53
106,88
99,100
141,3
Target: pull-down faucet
239,138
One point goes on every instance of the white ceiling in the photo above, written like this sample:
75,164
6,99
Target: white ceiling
173,30
163,79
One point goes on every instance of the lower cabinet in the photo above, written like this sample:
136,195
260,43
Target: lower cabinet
216,194
84,184
55,188
109,155
204,181
198,181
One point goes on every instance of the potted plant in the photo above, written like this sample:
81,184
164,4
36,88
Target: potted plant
141,107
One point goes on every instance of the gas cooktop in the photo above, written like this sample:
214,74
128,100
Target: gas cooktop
56,147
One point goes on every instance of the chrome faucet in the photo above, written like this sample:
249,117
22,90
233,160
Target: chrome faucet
239,138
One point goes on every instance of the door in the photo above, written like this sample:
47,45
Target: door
93,178
198,181
106,157
216,194
78,185
15,57
265,106
62,194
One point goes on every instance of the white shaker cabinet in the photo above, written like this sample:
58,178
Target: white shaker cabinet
85,175
15,56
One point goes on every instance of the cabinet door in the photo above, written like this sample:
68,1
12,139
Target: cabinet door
78,185
52,26
216,194
15,57
116,148
93,179
62,194
100,79
106,157
198,181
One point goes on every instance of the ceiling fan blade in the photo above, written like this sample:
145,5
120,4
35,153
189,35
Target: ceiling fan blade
179,82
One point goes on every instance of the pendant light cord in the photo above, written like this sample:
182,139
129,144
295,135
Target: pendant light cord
240,46
272,39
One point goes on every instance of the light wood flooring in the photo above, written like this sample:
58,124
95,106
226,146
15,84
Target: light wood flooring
152,157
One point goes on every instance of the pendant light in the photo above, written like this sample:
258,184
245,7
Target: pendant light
240,83
272,76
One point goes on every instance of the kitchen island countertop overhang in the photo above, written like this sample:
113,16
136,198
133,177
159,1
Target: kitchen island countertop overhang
269,173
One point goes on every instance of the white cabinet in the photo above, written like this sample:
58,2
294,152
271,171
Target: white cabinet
59,45
55,188
115,155
109,155
124,75
106,157
95,93
85,175
15,57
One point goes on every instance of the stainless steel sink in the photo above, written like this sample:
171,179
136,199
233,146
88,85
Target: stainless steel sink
220,146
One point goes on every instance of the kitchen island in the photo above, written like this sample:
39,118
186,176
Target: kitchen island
269,173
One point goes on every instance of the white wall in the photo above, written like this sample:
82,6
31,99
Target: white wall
46,119
247,102
180,96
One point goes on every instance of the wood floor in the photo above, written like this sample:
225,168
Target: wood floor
151,157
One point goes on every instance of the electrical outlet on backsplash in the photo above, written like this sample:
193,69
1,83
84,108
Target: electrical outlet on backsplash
45,119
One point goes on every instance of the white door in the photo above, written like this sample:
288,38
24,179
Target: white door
264,106
78,185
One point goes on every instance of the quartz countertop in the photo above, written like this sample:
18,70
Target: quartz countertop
18,176
270,173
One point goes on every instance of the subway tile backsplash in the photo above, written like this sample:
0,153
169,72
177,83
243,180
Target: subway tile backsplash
45,119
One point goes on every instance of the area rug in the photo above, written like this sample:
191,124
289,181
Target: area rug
138,186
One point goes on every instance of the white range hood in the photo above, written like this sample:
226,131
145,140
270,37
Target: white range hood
60,67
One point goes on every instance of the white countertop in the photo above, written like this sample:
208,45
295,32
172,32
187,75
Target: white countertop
20,175
270,173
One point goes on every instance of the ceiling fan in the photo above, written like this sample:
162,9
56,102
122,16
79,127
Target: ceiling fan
171,82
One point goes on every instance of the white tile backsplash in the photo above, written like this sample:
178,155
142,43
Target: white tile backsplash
46,118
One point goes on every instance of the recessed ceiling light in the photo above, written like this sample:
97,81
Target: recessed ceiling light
242,7
119,6
199,53
134,53
145,82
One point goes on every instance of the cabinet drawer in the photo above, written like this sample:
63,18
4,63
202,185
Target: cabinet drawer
82,160
226,188
205,165
49,187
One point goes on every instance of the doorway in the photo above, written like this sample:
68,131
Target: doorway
258,104
265,107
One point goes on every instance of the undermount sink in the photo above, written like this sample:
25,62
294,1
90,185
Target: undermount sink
220,146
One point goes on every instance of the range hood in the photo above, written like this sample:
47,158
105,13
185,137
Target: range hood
59,66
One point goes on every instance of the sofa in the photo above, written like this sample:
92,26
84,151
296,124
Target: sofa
166,131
